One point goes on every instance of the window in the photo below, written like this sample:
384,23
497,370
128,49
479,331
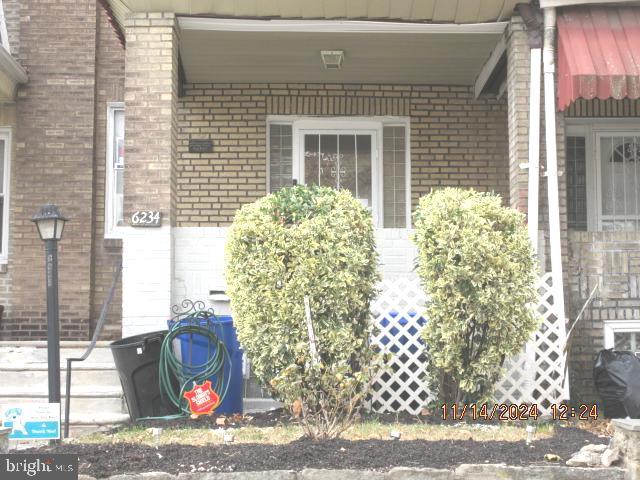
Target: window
622,335
603,176
114,191
576,183
5,161
619,180
344,154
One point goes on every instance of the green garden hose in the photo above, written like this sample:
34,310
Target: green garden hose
174,371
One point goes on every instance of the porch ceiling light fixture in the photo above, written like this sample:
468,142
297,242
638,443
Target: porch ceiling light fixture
332,59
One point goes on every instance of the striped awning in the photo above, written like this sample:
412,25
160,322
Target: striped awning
598,53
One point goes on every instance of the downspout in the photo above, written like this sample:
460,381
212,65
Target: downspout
548,58
532,23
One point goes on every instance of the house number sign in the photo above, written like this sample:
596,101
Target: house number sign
146,218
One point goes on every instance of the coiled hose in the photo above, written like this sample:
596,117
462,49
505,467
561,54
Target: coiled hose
174,372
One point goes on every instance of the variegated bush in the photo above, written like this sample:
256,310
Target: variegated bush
297,242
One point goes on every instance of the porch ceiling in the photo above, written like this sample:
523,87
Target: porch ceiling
375,52
440,11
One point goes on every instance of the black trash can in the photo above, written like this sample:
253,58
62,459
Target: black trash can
137,360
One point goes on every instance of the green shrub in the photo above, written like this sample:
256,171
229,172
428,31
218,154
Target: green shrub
297,242
477,266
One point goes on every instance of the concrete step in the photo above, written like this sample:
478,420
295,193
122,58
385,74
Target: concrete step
83,374
36,352
83,402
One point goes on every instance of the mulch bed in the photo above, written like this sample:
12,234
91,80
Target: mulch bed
101,460
273,418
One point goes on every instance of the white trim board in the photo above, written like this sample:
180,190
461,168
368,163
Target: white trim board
613,326
6,135
110,229
334,26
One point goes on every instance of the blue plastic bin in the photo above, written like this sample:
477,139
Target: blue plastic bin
195,350
401,321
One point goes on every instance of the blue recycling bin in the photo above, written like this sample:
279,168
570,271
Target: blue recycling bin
196,349
399,328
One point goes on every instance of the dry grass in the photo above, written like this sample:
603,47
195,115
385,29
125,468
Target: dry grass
287,433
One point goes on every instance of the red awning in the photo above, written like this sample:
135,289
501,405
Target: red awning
598,53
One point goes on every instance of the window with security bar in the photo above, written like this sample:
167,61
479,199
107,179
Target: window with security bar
619,180
369,157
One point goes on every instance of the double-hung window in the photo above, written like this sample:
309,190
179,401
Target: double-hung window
5,163
369,157
603,176
114,188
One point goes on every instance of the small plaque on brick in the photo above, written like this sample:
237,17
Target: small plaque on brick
200,146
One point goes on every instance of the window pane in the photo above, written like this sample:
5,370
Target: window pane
330,170
626,341
576,183
118,168
311,159
1,166
280,157
340,162
363,167
394,177
620,180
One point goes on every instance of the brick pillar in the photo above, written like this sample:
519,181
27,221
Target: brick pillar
151,86
518,112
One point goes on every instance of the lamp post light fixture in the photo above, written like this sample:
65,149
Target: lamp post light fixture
50,223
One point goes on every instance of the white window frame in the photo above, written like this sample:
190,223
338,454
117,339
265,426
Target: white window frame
111,230
612,327
348,125
592,130
5,134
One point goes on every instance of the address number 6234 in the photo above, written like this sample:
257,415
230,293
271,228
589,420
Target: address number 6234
146,218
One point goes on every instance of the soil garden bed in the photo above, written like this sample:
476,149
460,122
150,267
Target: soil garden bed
101,457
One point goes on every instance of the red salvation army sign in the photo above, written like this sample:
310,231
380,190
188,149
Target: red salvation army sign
202,399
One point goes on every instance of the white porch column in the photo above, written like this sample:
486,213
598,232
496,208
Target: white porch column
151,89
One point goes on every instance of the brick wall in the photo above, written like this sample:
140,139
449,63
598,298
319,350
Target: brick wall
455,140
59,156
106,252
611,260
151,83
54,159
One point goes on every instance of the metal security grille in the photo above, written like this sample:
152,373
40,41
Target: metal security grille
576,183
619,180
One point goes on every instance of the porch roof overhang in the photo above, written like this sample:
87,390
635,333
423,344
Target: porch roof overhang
11,75
288,51
598,54
436,11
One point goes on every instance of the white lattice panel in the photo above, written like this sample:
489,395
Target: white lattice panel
398,315
536,375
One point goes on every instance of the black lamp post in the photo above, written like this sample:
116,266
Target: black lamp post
50,223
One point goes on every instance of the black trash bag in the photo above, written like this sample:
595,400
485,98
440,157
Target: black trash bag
617,379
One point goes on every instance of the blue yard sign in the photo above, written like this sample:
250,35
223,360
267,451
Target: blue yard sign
32,421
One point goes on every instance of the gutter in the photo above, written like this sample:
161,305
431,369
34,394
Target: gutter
555,244
530,17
